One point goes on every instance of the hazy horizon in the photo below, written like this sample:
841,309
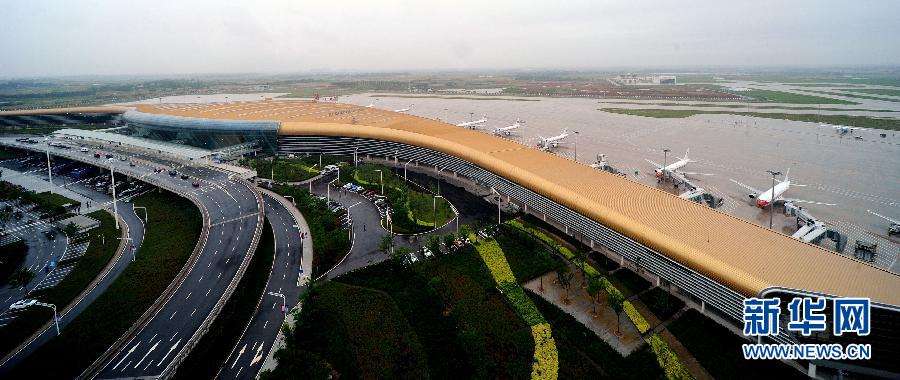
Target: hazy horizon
104,38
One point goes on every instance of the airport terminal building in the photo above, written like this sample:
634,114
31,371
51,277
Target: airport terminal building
704,255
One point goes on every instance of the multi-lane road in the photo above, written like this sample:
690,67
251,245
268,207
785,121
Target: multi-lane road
291,268
233,215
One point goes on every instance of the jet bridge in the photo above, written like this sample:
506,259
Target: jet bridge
810,229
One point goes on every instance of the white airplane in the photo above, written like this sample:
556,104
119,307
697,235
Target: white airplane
474,123
506,131
842,129
548,143
402,110
894,229
775,194
674,169
371,105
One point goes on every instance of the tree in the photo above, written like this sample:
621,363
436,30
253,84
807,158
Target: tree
579,260
465,231
594,288
401,253
449,239
617,303
70,229
386,243
434,244
564,276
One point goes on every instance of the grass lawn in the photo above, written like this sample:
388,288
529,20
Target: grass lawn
330,241
584,356
413,209
528,257
86,269
206,358
661,303
171,235
286,169
719,350
856,95
789,97
875,91
854,121
361,332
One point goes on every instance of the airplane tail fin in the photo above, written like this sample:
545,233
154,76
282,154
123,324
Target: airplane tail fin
688,151
787,174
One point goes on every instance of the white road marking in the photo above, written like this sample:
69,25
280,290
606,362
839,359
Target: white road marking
126,355
147,354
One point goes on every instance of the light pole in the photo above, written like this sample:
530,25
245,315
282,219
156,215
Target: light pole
50,172
293,202
283,301
498,203
772,201
112,176
434,209
133,207
576,145
665,157
24,304
404,168
328,190
381,180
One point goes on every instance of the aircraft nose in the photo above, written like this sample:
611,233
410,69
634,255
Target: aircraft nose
761,203
658,174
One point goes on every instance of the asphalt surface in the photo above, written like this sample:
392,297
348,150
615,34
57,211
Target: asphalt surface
136,232
366,228
232,212
290,270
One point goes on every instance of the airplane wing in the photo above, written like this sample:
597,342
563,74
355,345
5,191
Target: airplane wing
746,187
694,173
809,202
658,166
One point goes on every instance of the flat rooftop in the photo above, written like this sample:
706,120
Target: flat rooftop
173,150
746,257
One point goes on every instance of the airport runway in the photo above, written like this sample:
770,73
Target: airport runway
856,175
293,259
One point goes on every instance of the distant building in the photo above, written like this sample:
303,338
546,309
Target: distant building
632,79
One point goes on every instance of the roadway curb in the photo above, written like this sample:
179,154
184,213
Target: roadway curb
87,290
94,369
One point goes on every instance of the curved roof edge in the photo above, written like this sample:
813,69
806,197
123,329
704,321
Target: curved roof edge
66,110
173,121
738,279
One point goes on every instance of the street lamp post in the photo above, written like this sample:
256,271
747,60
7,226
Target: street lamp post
293,202
498,204
146,218
112,176
665,157
404,168
49,171
772,201
434,209
328,190
24,304
381,180
576,145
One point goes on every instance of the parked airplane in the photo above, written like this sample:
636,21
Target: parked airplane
674,168
548,143
842,129
371,105
775,194
894,229
474,123
404,109
506,131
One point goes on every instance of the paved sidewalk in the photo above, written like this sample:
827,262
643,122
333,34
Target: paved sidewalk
580,307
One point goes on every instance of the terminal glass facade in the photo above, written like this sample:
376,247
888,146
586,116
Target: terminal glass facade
203,133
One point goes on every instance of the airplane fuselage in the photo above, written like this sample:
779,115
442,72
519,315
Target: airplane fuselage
772,195
672,167
472,124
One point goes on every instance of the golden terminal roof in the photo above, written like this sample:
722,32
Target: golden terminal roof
737,253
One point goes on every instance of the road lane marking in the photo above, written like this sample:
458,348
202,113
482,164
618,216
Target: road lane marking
147,354
126,355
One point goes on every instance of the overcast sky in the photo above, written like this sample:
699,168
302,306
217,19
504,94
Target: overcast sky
74,37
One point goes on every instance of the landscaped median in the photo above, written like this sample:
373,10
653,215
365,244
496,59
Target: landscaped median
414,210
665,356
170,237
546,357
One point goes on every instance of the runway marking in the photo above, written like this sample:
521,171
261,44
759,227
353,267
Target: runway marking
188,296
207,292
195,310
173,315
